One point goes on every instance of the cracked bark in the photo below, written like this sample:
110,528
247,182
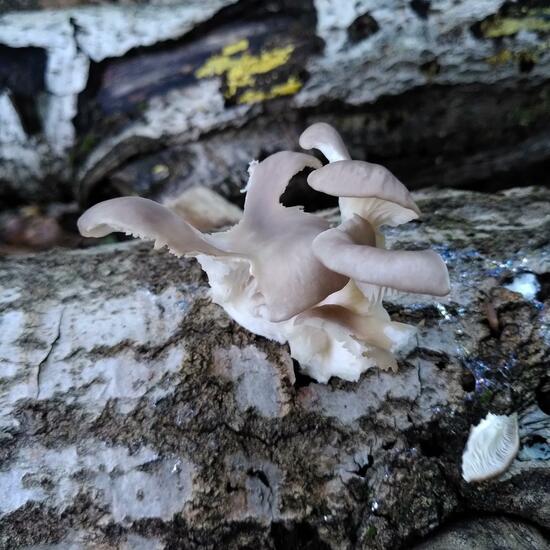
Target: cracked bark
145,432
50,351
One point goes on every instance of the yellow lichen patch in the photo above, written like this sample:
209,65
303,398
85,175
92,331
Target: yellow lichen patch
290,87
236,47
526,56
501,58
536,19
240,70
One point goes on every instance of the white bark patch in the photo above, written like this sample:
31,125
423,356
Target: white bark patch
258,383
92,383
9,295
111,31
357,72
374,389
65,361
73,37
142,318
131,486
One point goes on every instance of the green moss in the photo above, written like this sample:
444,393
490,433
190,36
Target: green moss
371,532
486,397
87,143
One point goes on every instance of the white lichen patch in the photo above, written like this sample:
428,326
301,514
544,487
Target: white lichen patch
130,486
69,360
525,284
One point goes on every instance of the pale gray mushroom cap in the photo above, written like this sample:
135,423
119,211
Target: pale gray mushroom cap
324,137
346,249
492,446
275,240
145,219
363,188
364,180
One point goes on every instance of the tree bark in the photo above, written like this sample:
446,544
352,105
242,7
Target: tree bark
136,414
151,99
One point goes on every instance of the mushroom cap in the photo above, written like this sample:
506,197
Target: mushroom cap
148,220
492,446
325,138
420,271
359,179
276,241
364,188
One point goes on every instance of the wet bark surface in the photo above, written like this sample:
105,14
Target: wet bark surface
135,414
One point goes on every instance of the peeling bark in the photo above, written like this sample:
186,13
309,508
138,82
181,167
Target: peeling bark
135,413
124,83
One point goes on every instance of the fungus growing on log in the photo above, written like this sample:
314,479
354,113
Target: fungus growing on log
286,274
492,446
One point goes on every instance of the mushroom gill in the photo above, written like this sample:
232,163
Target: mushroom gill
492,446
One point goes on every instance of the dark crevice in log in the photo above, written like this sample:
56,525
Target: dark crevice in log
477,137
362,27
22,74
296,536
544,281
302,379
22,69
543,395
421,7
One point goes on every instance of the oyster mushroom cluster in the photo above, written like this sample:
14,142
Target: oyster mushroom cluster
286,274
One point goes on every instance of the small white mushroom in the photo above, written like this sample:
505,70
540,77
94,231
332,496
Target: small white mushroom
492,446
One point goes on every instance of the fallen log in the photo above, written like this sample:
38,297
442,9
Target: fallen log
135,413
